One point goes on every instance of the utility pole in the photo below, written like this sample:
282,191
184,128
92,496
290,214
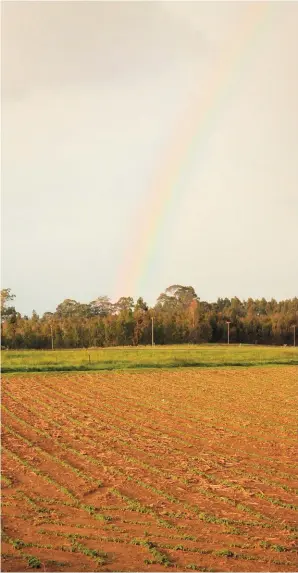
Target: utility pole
152,330
228,323
52,339
294,326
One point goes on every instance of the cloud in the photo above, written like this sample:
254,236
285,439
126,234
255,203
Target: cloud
56,44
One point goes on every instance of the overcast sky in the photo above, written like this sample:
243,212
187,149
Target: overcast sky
92,96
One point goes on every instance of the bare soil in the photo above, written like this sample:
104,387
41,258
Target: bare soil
150,471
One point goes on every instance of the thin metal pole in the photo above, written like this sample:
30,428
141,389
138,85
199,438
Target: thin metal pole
228,323
152,331
52,339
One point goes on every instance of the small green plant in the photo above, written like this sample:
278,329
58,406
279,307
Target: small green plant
98,556
195,567
6,480
158,557
279,548
33,562
54,563
18,544
225,553
275,547
232,531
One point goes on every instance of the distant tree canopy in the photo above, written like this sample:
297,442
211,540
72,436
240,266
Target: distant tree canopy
179,317
7,311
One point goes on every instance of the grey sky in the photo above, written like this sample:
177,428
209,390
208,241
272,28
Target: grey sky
91,95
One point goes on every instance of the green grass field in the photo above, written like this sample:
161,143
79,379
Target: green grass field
146,357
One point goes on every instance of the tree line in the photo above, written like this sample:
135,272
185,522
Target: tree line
178,317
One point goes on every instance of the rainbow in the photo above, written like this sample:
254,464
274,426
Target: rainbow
194,129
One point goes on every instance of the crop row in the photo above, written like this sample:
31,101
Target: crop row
211,479
155,490
176,450
89,404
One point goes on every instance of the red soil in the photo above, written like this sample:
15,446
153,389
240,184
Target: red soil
183,468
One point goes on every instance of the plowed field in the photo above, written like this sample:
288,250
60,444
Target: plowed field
150,471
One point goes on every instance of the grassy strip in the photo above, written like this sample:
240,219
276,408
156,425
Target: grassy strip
108,367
